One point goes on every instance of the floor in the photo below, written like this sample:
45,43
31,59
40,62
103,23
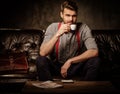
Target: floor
27,87
76,87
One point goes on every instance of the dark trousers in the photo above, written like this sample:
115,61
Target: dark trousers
87,70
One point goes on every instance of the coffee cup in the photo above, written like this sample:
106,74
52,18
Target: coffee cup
73,26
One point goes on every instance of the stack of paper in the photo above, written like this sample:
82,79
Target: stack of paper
48,84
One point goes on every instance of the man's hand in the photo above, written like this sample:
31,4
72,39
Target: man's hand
64,68
64,28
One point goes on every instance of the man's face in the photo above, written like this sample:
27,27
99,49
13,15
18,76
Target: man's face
69,16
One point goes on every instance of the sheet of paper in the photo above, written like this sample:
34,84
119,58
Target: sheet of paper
48,84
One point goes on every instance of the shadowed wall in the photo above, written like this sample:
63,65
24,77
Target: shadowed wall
38,14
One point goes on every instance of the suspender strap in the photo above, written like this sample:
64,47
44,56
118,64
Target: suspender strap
57,43
78,39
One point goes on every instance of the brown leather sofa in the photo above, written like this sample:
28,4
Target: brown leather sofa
29,40
108,42
21,40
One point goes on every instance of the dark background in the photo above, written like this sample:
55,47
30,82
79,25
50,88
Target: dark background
38,14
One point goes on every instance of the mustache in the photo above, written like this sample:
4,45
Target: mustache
69,22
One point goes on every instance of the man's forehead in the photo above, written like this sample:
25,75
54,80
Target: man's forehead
69,11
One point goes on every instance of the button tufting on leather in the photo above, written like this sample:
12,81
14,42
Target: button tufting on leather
17,45
33,45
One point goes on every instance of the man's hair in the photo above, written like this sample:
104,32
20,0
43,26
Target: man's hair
69,4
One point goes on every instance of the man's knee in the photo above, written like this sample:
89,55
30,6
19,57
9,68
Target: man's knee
95,62
41,61
94,59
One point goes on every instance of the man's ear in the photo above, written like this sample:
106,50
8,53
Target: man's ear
61,14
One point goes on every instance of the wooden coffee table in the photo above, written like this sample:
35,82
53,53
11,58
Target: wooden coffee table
76,87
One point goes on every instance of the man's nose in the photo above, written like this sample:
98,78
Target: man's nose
71,18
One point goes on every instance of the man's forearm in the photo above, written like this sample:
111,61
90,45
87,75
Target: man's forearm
86,55
46,48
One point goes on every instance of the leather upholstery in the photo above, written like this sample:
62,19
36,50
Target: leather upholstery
29,40
108,42
17,40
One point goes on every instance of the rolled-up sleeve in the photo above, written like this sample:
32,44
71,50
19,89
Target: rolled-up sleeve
88,39
50,31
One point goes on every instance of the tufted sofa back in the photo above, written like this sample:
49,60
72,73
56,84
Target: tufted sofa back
22,40
108,42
